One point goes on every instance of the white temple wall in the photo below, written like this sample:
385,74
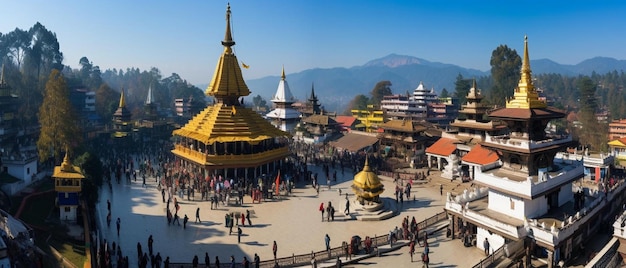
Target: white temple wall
536,207
509,205
495,241
67,213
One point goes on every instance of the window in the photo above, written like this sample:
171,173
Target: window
67,209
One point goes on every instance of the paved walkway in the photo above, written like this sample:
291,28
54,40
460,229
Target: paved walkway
293,222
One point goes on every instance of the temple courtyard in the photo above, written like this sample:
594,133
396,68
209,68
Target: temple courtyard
293,221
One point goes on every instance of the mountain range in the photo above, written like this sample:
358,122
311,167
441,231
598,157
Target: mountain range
335,87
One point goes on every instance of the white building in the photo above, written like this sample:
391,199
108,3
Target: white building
528,201
283,116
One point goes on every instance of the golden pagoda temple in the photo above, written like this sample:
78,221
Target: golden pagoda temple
121,119
366,185
227,138
67,184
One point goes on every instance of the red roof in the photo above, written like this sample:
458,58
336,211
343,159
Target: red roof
443,147
345,121
480,155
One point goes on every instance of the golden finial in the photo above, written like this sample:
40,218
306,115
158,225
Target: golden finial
366,166
525,95
122,99
282,76
66,165
526,60
228,37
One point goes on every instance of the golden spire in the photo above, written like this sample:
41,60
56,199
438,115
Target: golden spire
227,84
66,165
228,37
122,100
366,166
525,95
282,76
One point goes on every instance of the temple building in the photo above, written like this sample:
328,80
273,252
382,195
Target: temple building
283,116
151,127
404,139
122,125
529,200
227,138
370,119
311,106
8,127
465,133
67,184
317,128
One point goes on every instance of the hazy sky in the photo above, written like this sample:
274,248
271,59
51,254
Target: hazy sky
184,36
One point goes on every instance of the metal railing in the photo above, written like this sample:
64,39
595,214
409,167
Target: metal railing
491,259
322,256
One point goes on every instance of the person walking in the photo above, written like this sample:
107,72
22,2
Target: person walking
322,210
239,232
486,246
207,260
441,189
119,222
245,262
195,261
327,240
185,220
232,261
347,210
412,249
248,217
198,215
150,242
166,263
257,261
217,261
274,249
243,219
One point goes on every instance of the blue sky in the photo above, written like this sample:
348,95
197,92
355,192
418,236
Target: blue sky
184,36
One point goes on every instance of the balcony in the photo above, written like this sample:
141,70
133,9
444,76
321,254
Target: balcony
531,186
247,160
522,142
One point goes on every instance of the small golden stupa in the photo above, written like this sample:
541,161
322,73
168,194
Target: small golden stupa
366,185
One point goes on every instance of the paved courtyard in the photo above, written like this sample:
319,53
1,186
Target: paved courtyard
294,222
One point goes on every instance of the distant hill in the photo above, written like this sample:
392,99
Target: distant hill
337,86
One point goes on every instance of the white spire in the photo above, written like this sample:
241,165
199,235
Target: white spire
150,98
283,94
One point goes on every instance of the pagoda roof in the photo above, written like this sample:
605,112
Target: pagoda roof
527,113
619,142
485,126
403,126
67,171
481,156
443,147
320,119
228,123
122,111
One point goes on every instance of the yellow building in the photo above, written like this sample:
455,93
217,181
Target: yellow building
67,183
227,138
370,119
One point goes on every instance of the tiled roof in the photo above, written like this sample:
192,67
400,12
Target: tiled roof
443,147
345,121
224,123
354,142
320,119
480,155
524,113
403,126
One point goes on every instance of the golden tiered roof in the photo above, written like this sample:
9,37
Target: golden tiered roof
525,95
227,82
366,183
228,123
67,171
228,120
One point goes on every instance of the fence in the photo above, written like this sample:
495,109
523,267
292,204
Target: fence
491,259
321,256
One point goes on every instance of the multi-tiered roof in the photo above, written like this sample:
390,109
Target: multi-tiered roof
226,133
284,115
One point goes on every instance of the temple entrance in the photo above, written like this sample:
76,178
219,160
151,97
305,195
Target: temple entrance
553,201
